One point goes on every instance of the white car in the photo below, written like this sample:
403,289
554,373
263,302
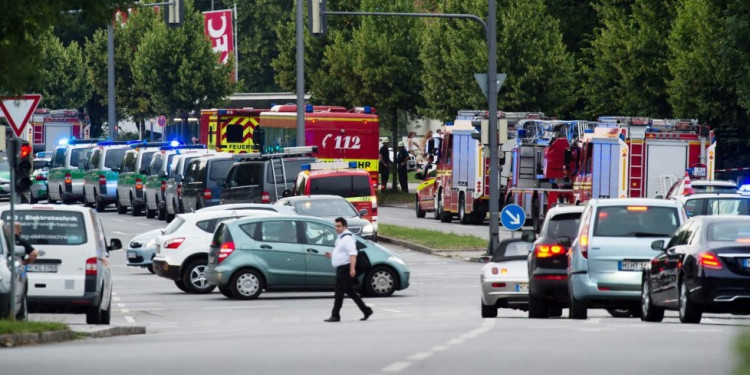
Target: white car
72,271
715,204
702,186
263,207
19,291
182,249
505,278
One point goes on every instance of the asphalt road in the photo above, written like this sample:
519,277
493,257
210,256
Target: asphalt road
434,327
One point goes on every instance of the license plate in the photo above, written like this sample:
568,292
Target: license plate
522,287
34,267
632,265
131,255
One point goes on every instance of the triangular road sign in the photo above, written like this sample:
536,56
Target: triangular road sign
18,110
482,81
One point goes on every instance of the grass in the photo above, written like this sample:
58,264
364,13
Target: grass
742,350
10,327
394,196
432,238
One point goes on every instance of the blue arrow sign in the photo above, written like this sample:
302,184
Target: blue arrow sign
513,217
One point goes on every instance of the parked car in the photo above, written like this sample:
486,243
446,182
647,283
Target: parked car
69,164
182,249
283,210
504,279
142,249
715,204
330,207
204,181
72,271
701,186
155,186
264,179
253,254
704,267
173,193
548,262
612,248
4,176
8,260
100,181
39,191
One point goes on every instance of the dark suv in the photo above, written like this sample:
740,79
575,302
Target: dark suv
263,180
548,262
204,181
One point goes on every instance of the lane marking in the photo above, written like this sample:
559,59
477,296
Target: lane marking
120,305
115,299
440,348
120,233
397,367
119,220
420,356
392,310
129,319
124,311
240,307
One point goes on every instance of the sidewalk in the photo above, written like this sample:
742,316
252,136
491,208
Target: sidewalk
465,255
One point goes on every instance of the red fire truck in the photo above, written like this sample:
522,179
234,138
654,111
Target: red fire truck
229,130
48,127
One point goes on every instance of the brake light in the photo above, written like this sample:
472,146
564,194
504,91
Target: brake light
584,242
207,194
225,250
551,277
68,178
102,179
138,184
265,198
637,208
173,243
546,251
91,269
709,260
163,186
498,285
374,204
179,189
40,177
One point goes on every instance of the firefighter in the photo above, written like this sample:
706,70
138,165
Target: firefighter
384,161
402,159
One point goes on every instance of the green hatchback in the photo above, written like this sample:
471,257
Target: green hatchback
287,253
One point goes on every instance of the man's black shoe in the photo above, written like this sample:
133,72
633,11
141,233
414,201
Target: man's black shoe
367,314
332,319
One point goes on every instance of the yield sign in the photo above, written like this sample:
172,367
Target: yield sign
18,110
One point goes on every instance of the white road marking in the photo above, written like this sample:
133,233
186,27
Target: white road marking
119,221
420,356
124,311
239,307
392,310
120,233
116,299
120,305
142,309
129,319
397,367
440,348
144,224
456,341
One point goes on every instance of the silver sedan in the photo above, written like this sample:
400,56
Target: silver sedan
505,278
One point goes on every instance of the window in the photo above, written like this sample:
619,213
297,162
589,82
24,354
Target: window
209,225
38,164
319,234
185,163
42,227
59,160
113,158
77,155
344,186
714,189
170,165
235,133
635,221
96,158
195,171
128,162
156,165
279,231
729,232
146,161
292,168
252,230
247,174
220,169
681,236
563,225
325,208
174,225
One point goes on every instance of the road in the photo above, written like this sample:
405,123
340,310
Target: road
434,327
407,218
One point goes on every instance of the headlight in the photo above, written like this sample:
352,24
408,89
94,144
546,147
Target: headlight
368,229
396,259
150,243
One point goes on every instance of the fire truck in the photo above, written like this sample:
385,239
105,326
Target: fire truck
340,134
461,186
49,127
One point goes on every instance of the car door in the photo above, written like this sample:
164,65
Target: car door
670,264
319,240
280,252
244,183
192,186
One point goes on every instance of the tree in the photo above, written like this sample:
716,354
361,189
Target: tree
22,23
62,76
178,68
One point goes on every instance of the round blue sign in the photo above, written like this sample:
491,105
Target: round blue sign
512,217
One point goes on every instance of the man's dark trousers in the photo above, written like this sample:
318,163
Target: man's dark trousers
403,178
344,284
385,172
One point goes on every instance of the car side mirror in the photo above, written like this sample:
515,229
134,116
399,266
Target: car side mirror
528,236
484,259
657,245
564,241
114,244
362,212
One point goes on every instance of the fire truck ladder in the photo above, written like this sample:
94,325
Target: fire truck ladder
279,171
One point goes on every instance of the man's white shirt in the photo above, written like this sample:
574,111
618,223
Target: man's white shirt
346,246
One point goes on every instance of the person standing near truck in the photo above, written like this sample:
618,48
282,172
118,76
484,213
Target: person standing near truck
384,160
402,159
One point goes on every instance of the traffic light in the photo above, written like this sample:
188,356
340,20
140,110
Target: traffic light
22,164
174,14
317,17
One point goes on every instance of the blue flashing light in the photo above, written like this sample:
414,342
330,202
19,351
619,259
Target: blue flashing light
587,131
63,142
352,164
744,190
309,108
305,167
368,109
222,111
521,133
449,123
174,143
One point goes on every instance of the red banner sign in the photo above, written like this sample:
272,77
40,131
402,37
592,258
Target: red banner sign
218,28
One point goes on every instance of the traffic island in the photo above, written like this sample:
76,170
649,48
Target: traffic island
450,245
23,333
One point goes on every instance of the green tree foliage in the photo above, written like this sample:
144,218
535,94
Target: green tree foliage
62,76
577,21
178,68
23,23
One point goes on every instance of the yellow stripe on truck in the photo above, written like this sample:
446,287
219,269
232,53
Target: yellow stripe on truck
359,199
370,165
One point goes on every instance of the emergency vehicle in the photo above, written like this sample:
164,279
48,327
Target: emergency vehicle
339,133
461,186
51,127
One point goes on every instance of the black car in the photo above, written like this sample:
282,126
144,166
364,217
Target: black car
548,262
263,180
204,181
705,267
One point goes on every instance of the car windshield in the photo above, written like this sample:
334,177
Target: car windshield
43,227
344,186
730,232
636,221
113,158
714,189
174,225
563,225
146,160
4,166
220,169
325,208
717,206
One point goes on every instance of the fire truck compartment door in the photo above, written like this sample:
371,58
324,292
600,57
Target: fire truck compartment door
606,170
54,133
465,152
664,159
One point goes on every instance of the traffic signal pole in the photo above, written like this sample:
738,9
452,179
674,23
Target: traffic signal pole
12,159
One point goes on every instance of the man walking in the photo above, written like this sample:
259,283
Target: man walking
344,260
402,159
385,164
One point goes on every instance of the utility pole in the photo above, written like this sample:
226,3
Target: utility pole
492,104
111,120
300,75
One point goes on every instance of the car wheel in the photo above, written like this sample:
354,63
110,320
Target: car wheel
106,314
577,309
246,284
194,278
169,217
649,312
100,206
555,312
150,269
538,307
489,311
65,200
690,312
94,315
120,208
435,209
34,200
23,311
150,214
226,292
462,217
380,282
180,285
135,210
161,211
420,213
620,313
84,200
445,217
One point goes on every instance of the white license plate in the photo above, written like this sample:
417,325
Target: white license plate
132,255
522,287
42,267
632,265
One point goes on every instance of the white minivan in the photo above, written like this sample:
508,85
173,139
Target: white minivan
72,271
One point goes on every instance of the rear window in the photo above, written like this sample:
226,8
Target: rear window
59,159
174,225
96,157
113,158
292,168
156,164
146,159
220,169
729,232
77,155
636,221
41,227
344,186
714,189
563,225
128,162
209,226
185,163
717,206
247,174
513,249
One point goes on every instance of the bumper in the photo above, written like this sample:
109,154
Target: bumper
218,275
140,257
161,268
509,293
606,294
550,284
64,304
721,294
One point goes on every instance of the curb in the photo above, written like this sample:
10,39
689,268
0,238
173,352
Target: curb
23,339
422,249
115,331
